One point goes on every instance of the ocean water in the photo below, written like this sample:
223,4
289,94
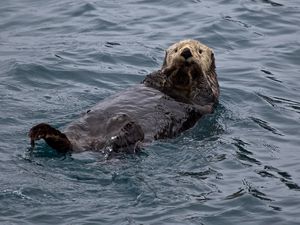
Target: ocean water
240,165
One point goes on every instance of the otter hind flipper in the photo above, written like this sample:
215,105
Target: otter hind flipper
53,137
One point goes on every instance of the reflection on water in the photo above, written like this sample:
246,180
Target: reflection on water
239,165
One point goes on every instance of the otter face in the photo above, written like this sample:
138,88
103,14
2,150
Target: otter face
189,62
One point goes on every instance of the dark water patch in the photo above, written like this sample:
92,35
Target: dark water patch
247,159
248,189
111,44
266,174
81,10
255,192
266,126
102,24
228,18
243,154
284,177
291,185
272,3
270,75
282,102
274,79
275,208
202,175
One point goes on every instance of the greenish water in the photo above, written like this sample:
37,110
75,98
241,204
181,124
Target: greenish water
239,165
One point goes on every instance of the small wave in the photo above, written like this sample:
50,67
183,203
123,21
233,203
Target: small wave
265,125
282,102
282,176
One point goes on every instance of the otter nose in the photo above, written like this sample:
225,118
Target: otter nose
186,53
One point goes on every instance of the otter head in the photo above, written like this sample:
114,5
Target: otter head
189,66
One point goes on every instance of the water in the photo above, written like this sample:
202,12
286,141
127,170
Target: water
237,166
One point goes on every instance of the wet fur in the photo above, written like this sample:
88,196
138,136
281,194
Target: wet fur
165,104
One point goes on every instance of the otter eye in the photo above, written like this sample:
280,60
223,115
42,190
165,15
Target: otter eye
200,51
175,50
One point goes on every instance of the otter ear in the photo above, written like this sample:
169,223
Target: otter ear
212,77
212,69
165,60
213,64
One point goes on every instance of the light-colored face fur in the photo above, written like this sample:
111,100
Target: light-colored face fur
188,62
201,54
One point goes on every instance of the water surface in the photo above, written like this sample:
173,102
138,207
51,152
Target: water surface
239,165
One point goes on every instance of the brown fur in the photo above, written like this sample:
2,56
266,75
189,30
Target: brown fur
165,104
193,79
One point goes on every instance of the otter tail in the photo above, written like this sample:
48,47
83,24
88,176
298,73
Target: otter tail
53,137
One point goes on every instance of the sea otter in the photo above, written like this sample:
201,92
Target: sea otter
164,104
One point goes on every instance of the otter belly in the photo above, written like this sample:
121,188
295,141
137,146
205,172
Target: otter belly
139,114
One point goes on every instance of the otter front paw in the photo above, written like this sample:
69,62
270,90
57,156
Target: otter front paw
39,131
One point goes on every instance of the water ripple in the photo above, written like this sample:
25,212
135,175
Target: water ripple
266,126
239,165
